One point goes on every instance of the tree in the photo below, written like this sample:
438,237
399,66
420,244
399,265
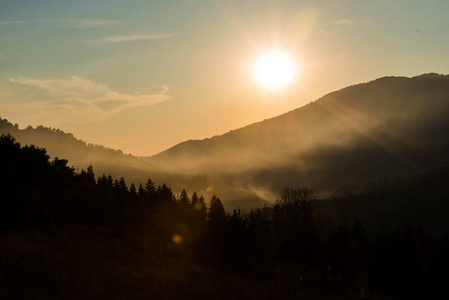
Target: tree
294,228
217,214
133,192
165,195
34,191
141,192
199,206
203,208
150,189
110,182
102,183
238,243
196,201
90,174
122,185
198,210
184,200
293,212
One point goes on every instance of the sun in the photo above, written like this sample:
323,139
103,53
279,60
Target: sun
274,70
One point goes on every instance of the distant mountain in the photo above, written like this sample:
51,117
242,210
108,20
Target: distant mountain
390,127
104,160
387,128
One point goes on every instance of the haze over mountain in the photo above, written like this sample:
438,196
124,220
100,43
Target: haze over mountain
389,127
104,160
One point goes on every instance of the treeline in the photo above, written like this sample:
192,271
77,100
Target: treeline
40,192
289,243
80,154
42,132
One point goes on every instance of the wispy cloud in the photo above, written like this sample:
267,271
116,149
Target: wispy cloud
329,27
73,23
340,22
130,38
15,22
70,100
92,23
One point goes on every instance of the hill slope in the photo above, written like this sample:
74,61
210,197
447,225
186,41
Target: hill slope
104,160
392,126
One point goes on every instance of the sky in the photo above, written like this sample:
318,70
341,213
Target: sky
144,75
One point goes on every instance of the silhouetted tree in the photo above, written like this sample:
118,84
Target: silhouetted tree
35,191
141,192
90,174
293,213
217,215
236,245
165,195
133,192
150,189
195,201
294,227
203,208
102,182
110,182
121,185
260,228
184,200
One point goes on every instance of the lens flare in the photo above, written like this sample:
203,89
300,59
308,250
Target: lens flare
177,239
198,206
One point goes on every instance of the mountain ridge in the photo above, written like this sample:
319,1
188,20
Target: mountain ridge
393,126
104,160
396,122
425,75
275,117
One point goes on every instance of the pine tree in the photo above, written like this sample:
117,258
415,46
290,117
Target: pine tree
165,195
184,200
203,208
217,214
195,201
122,185
150,189
110,182
133,192
90,174
141,192
102,182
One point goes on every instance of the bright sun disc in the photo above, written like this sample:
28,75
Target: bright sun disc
274,70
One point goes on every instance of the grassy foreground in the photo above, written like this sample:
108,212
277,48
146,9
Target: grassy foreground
82,263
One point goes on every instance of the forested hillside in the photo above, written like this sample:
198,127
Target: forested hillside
104,160
73,234
390,127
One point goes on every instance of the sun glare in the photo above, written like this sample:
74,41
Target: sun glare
274,70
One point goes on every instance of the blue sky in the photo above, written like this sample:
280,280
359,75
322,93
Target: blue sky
142,76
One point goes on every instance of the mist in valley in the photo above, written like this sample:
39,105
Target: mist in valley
323,200
388,128
224,149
